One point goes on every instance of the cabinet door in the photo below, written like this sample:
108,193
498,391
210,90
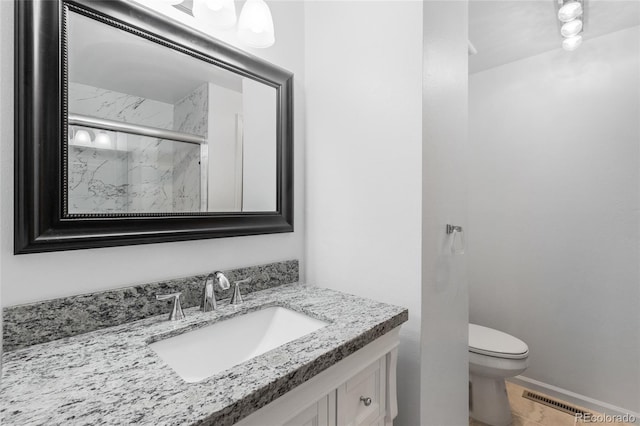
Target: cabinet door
322,413
361,400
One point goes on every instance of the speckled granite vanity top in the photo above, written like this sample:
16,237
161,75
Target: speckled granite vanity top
112,376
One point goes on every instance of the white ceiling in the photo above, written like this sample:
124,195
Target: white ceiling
502,31
508,30
110,58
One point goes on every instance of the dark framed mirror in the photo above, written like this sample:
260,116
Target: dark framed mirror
131,128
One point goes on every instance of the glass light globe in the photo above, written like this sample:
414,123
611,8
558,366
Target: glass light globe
255,25
215,5
572,43
571,28
570,11
218,13
102,140
82,137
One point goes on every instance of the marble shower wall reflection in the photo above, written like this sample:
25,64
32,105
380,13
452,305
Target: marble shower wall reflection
190,115
137,174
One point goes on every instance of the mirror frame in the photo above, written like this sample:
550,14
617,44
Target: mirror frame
41,223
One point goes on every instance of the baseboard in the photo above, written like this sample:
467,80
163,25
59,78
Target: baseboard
574,398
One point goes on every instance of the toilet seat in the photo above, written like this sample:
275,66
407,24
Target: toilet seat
490,342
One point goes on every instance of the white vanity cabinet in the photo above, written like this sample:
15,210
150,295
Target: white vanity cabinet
321,413
361,399
359,390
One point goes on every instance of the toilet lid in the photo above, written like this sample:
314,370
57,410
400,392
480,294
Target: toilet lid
487,341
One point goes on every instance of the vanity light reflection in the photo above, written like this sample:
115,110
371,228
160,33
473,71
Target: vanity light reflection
82,137
103,140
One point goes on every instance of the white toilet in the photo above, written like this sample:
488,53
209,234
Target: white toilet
493,356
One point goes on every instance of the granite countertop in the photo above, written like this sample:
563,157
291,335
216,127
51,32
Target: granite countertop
112,376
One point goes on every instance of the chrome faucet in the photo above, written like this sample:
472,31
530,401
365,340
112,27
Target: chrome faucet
209,303
176,311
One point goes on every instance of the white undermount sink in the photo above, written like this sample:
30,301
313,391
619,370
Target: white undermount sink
201,353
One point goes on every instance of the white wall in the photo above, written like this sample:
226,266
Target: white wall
33,277
554,201
364,73
444,358
259,159
225,165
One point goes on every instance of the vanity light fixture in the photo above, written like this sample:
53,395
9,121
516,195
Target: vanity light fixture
219,13
254,27
570,13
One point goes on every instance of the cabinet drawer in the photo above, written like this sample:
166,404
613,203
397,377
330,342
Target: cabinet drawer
361,400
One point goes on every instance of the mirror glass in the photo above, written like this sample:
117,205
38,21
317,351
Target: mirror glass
155,130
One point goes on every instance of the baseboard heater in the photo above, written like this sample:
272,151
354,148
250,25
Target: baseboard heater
558,405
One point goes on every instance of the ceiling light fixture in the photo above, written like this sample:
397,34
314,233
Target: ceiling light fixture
571,43
571,28
570,13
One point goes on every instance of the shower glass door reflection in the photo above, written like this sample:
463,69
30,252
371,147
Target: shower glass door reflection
117,172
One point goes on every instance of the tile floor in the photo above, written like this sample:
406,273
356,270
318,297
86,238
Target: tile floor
529,413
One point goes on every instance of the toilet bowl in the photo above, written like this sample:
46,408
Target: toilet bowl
493,356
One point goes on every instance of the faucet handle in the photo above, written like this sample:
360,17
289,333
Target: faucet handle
176,311
236,298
